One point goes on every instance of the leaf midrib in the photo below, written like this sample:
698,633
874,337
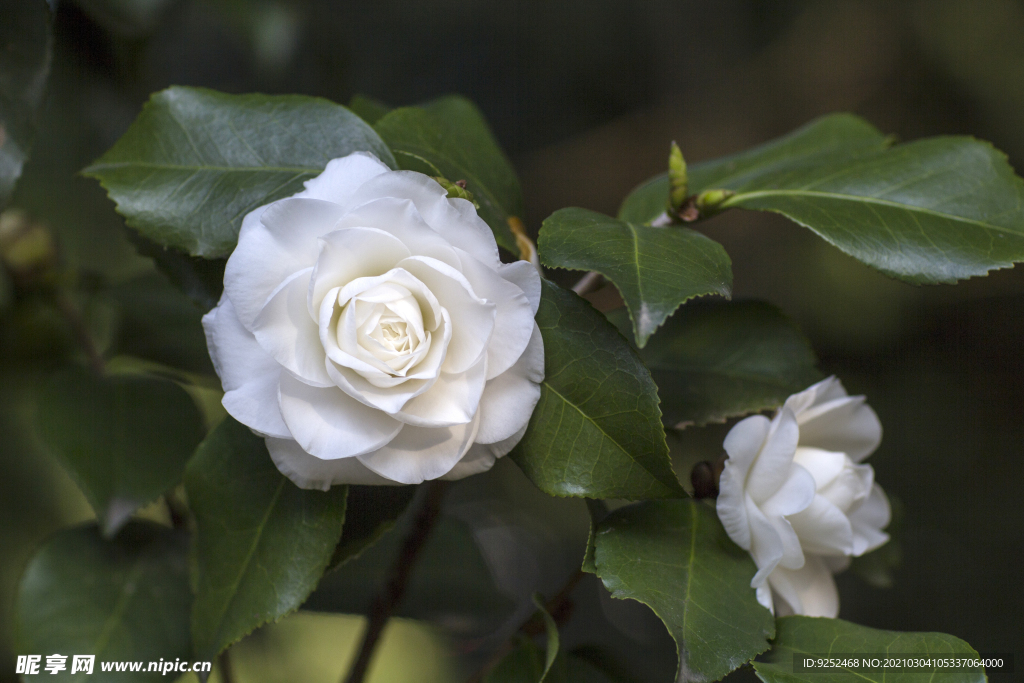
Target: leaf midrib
738,199
244,565
603,432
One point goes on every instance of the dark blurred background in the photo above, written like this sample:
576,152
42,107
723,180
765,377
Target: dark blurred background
585,96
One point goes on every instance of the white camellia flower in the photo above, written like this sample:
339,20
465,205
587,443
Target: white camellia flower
794,495
370,333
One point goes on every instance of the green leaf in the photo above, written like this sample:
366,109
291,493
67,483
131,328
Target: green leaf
449,137
125,599
196,161
807,635
26,47
367,108
719,359
159,323
930,211
124,439
655,268
675,557
596,431
828,139
598,510
370,512
261,544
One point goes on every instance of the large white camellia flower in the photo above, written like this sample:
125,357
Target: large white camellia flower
794,495
370,333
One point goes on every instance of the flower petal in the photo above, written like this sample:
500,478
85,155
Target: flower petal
397,215
823,465
810,590
742,444
285,330
330,424
524,275
478,459
772,466
765,543
509,399
348,254
418,454
452,399
513,317
248,374
823,528
795,494
454,219
501,448
343,177
848,425
472,318
274,242
868,520
310,472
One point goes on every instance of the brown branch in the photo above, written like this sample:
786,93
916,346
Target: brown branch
588,283
388,598
559,607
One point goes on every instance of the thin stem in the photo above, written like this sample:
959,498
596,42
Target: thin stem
557,607
388,598
81,332
588,283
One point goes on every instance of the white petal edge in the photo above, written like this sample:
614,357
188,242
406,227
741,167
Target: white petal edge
330,424
420,454
284,329
810,590
342,177
248,374
310,472
275,241
524,275
772,465
454,219
513,321
509,399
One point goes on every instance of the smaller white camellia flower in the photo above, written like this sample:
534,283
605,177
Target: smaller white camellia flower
794,494
369,331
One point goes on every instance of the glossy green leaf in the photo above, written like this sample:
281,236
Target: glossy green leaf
121,600
196,161
829,139
26,46
675,557
655,269
596,431
719,359
370,512
261,544
449,137
929,211
124,439
799,636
